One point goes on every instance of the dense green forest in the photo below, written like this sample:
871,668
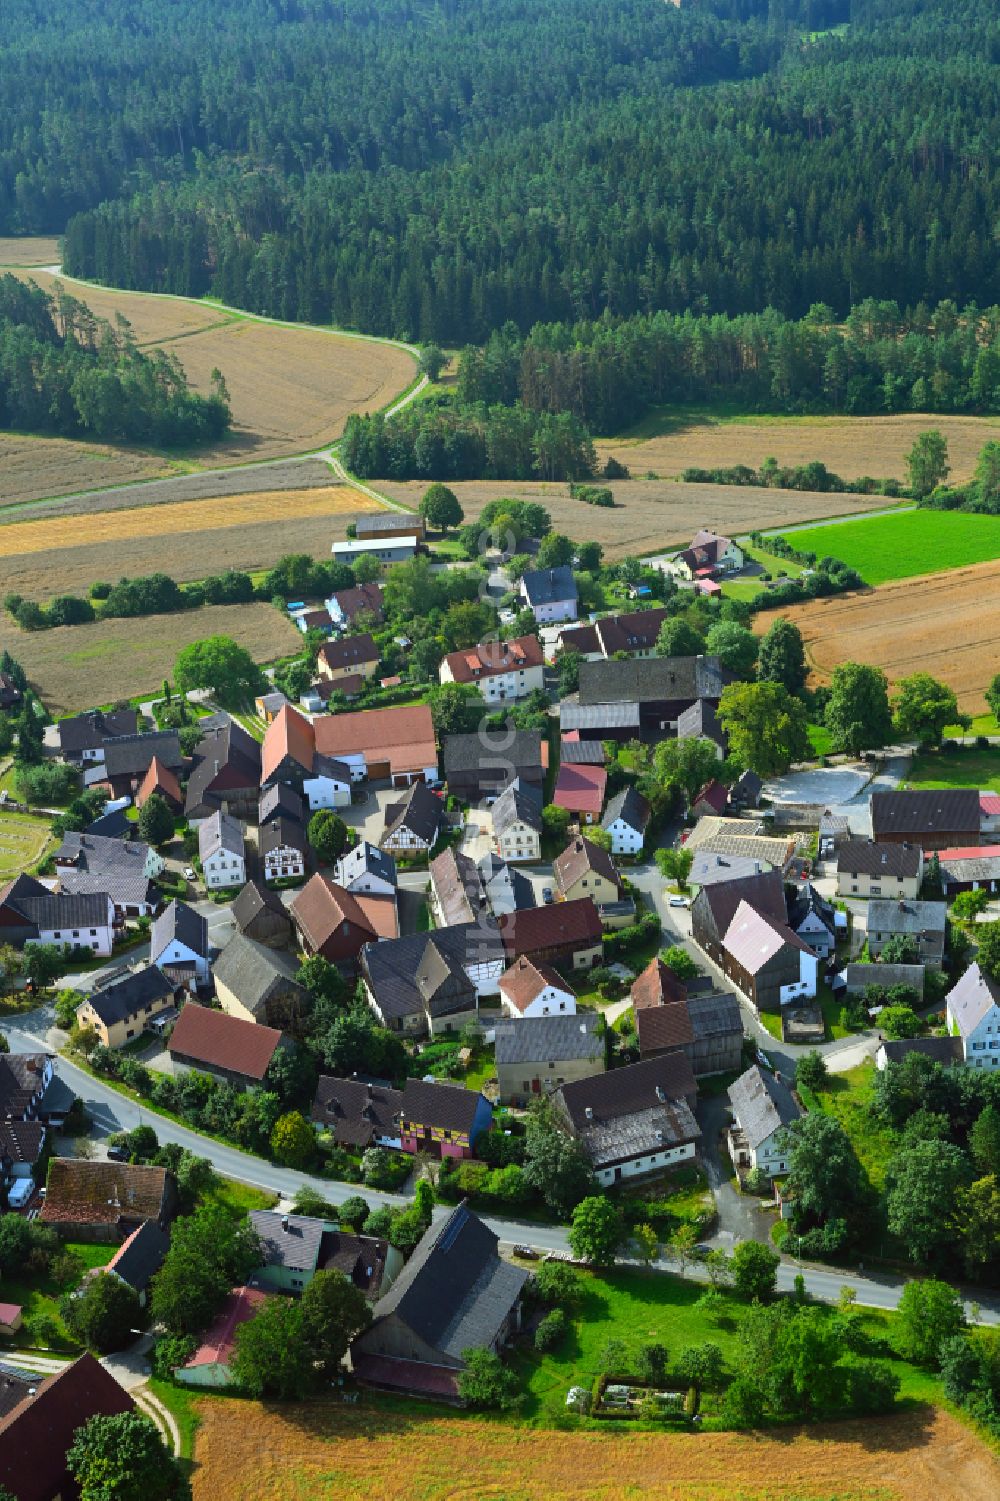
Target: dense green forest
63,370
437,171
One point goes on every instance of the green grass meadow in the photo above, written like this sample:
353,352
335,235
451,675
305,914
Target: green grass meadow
884,548
962,766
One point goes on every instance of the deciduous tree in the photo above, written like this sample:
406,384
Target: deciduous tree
123,1458
923,707
782,656
765,726
857,712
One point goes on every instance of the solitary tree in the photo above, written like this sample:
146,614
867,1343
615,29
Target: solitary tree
485,1382
327,835
924,708
228,671
596,1231
782,656
929,1312
922,1182
440,508
272,1357
755,1270
431,360
734,645
156,822
680,961
811,1071
927,463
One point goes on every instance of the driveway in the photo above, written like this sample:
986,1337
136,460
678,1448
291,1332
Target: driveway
740,1217
845,790
369,817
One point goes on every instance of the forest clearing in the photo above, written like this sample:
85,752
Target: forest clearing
243,1451
36,250
670,440
940,623
79,666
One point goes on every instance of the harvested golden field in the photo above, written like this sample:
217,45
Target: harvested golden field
944,624
291,388
34,250
188,540
33,467
246,1451
849,446
77,666
651,514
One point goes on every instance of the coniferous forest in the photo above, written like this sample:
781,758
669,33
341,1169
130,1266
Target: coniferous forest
441,170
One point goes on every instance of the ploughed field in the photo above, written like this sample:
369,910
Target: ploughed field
883,548
31,467
946,624
650,515
38,250
326,1452
74,667
667,442
188,539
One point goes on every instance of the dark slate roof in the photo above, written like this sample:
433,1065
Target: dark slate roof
22,1141
522,751
220,832
518,804
926,811
283,800
451,1106
37,1435
420,810
529,1039
253,972
58,912
888,915
355,1111
938,1049
630,806
182,922
715,1015
651,679
808,900
366,858
391,966
455,1293
101,864
279,832
130,755
761,1103
582,752
254,899
865,857
113,825
141,1256
90,730
623,1091
20,1081
546,586
289,1240
599,716
699,722
130,995
764,893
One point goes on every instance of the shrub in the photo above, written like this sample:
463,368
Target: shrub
551,1330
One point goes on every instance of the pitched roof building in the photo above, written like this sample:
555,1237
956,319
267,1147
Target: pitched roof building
236,1050
260,914
163,781
124,870
357,1113
105,1200
225,774
536,1054
633,1120
580,789
338,923
37,1433
935,818
568,932
475,769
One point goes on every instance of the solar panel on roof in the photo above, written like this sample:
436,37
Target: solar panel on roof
452,1230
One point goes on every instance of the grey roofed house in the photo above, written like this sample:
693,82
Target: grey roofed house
113,825
835,827
600,716
926,812
547,586
280,832
708,868
226,767
761,1104
458,887
140,1257
518,804
365,859
714,1015
700,722
454,1294
127,996
255,904
254,974
622,1091
390,967
89,862
939,1049
582,752
220,832
507,889
419,810
631,807
530,1038
982,868
50,911
443,984
178,920
288,1240
474,768
356,1112
858,976
651,679
864,857
89,731
972,999
283,800
921,919
130,755
746,790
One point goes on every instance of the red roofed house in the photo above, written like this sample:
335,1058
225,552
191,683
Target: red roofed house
161,779
709,553
291,757
227,1046
711,801
989,813
530,989
580,789
338,923
975,867
37,1434
10,1318
769,963
381,743
567,933
210,1365
501,670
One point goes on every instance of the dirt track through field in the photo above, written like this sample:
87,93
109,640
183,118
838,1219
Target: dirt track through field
945,624
245,1451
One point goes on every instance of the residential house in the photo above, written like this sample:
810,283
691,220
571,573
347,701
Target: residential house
357,1113
124,871
457,891
531,990
82,737
867,869
384,550
296,1247
414,985
924,922
225,775
311,620
568,933
634,1120
261,915
770,963
935,819
517,824
708,868
105,1201
657,986
507,889
479,767
381,744
943,1050
501,670
348,656
635,632
139,1258
762,1107
127,759
25,1080
714,908
745,791
10,693
972,1009
584,869
700,722
711,801
537,1054
413,824
736,837
211,1363
282,848
626,819
259,985
973,869
376,525
228,1047
31,913
815,920
658,689
703,1023
550,594
38,1431
179,945
454,1294
707,555
366,868
124,1009
338,923
290,754
580,789
161,780
270,705
281,800
222,852
443,1119
113,823
347,605
22,1146
989,815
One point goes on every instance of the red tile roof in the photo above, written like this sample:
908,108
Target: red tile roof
657,986
714,795
524,980
159,778
580,788
288,734
219,1343
222,1041
989,803
404,737
970,851
102,1193
322,908
491,658
531,930
36,1435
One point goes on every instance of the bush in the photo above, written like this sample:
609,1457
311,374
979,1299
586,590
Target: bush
557,1284
551,1331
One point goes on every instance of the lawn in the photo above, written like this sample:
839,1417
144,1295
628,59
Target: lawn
962,766
24,843
239,1198
820,739
883,548
847,1096
39,1298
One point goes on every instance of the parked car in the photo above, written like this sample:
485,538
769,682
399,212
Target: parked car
547,896
189,874
678,901
118,1154
526,1253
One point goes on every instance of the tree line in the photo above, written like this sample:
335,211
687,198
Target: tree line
63,370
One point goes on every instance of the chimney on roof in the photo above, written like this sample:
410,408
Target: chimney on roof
588,1112
284,1223
660,1094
